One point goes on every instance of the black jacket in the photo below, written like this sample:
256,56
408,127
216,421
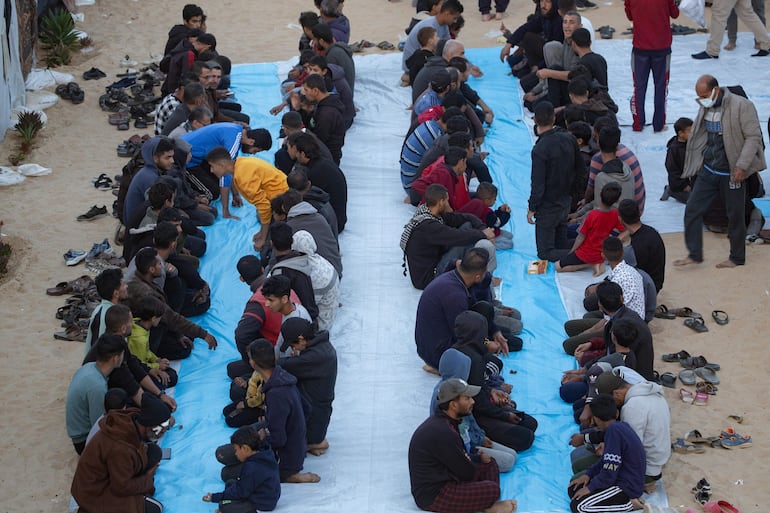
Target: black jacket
182,57
285,415
328,176
423,78
328,124
556,161
291,265
320,201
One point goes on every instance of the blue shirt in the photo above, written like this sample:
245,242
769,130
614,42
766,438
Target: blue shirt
206,138
415,146
85,401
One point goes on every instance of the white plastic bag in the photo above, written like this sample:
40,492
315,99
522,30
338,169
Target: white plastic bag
695,10
9,177
33,170
42,78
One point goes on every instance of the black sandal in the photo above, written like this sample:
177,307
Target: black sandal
720,317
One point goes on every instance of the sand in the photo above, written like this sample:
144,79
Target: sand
39,216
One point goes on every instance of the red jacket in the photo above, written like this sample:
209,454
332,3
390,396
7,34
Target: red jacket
438,172
652,24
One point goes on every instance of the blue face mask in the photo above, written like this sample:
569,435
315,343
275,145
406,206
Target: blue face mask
707,103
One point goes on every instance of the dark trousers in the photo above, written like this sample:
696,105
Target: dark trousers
165,344
318,422
486,5
518,437
477,166
706,188
236,506
470,496
601,500
202,217
551,234
557,91
642,64
173,378
235,417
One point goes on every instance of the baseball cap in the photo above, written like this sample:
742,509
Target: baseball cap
453,388
440,81
607,382
292,329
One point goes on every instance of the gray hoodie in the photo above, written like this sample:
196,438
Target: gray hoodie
303,216
646,411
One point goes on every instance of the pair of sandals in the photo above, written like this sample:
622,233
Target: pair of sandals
693,320
605,31
94,74
71,92
681,30
102,182
361,45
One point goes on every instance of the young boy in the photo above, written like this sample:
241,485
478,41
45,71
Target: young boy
277,290
615,482
258,486
678,187
598,224
481,207
428,39
450,174
147,317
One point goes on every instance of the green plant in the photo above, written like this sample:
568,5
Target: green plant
58,56
28,125
58,29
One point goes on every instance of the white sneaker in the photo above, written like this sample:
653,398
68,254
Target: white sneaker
73,257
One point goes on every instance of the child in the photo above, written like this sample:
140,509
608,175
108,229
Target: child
258,486
678,187
598,224
428,39
480,206
615,482
148,316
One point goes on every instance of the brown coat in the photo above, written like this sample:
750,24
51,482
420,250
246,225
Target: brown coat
110,476
138,289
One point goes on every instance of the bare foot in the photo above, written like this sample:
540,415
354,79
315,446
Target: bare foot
726,264
650,487
685,261
730,46
407,200
599,269
499,16
306,477
319,448
431,369
502,507
486,17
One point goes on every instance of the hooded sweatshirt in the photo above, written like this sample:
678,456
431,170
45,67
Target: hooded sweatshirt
328,124
342,88
614,171
340,28
285,420
323,276
303,216
295,266
320,201
258,483
143,180
328,176
646,411
547,24
111,475
316,371
341,55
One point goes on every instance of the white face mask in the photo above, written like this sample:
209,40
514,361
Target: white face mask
707,103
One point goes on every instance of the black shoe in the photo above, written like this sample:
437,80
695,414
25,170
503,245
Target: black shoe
666,194
761,53
93,74
704,55
582,5
94,213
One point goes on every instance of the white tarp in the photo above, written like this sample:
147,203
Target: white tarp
12,95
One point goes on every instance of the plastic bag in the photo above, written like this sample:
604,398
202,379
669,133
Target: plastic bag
33,170
42,78
695,10
9,177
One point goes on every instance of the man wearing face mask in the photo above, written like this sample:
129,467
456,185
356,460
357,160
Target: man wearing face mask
725,148
117,468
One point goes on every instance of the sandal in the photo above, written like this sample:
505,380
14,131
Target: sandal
606,31
693,362
686,311
661,312
701,399
117,118
687,377
676,357
696,324
384,45
720,317
707,375
76,286
668,380
73,333
686,395
695,437
63,91
76,94
681,446
706,388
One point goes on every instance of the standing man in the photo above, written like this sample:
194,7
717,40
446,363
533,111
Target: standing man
651,53
720,11
444,477
725,148
556,161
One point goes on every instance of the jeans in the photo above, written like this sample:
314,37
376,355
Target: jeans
642,64
706,187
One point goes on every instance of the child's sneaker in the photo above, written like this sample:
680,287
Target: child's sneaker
736,441
73,257
94,213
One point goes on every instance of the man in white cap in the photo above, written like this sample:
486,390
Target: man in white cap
444,477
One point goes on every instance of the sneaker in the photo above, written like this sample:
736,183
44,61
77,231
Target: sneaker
94,213
666,193
73,257
582,5
704,55
736,441
99,248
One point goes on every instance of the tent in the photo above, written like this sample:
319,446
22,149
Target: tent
13,95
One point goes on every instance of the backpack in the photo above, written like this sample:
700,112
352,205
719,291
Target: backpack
129,171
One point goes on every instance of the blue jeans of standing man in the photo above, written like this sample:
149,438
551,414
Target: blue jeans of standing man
706,188
644,62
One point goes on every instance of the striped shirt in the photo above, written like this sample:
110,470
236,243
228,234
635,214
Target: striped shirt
625,154
415,146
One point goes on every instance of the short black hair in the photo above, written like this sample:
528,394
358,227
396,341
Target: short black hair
323,32
581,37
306,56
610,193
610,295
281,235
578,87
629,211
452,6
486,190
165,144
277,286
164,235
199,114
190,11
192,92
262,352
451,112
225,63
459,63
107,282
262,138
109,345
581,130
612,247
218,154
149,307
198,67
603,407
544,113
602,122
320,61
115,399
609,139
158,194
116,317
297,179
459,140
434,193
246,436
169,214
682,124
315,82
250,268
457,124
453,99
305,143
145,258
475,261
625,333
208,39
308,19
454,155
292,119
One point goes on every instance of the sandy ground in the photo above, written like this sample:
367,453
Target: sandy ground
39,215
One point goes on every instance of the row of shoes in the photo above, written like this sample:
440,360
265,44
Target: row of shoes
71,92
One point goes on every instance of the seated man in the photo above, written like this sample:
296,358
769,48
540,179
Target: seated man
194,97
442,301
560,58
192,16
444,478
616,482
257,180
172,338
278,298
595,63
649,252
451,174
420,140
112,289
298,180
313,361
284,414
292,264
323,276
158,154
85,395
338,53
326,117
435,237
117,469
334,76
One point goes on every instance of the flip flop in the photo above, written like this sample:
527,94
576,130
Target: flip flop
726,507
686,395
720,317
687,377
696,324
695,437
683,447
706,388
661,312
707,375
667,379
701,399
73,333
686,311
385,45
693,362
675,357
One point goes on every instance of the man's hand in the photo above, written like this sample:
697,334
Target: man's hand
530,217
170,268
185,341
169,401
237,201
490,233
240,405
207,497
738,176
500,398
211,341
580,481
504,208
581,493
163,364
489,117
585,416
487,443
577,440
160,375
476,71
543,73
530,97
505,52
485,458
513,418
240,382
500,339
581,349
